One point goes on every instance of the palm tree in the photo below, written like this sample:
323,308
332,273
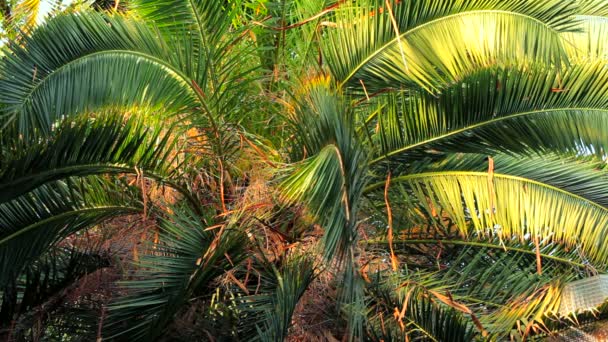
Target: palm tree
453,152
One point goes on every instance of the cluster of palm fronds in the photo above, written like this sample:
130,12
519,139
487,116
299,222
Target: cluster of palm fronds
438,165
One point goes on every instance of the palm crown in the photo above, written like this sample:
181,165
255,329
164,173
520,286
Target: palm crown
453,153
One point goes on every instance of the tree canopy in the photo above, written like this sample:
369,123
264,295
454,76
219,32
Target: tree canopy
366,170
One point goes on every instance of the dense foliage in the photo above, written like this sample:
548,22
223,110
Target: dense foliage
250,169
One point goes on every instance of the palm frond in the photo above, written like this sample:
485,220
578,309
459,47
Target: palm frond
424,321
500,205
430,43
589,44
331,179
39,287
593,8
283,287
583,176
28,11
518,110
405,307
503,288
204,20
78,63
107,144
500,291
430,243
184,264
34,222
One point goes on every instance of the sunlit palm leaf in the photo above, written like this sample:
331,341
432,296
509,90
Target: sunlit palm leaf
28,11
590,44
332,178
78,63
583,176
504,205
503,288
441,41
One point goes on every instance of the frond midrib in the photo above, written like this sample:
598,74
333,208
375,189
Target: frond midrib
120,169
101,169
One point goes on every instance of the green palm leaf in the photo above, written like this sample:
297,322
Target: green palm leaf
504,205
75,64
519,110
428,241
271,312
581,176
331,179
107,144
405,308
434,45
590,44
40,285
32,223
503,288
184,264
204,20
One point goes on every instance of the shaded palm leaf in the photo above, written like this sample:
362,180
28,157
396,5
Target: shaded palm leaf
39,287
32,223
107,144
184,264
271,311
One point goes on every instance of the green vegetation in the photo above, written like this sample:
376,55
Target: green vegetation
363,170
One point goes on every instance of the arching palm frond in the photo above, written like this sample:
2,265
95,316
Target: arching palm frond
504,205
580,176
590,43
434,43
79,63
488,291
407,307
331,182
519,110
204,21
107,144
423,321
41,286
504,289
27,11
331,179
32,223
